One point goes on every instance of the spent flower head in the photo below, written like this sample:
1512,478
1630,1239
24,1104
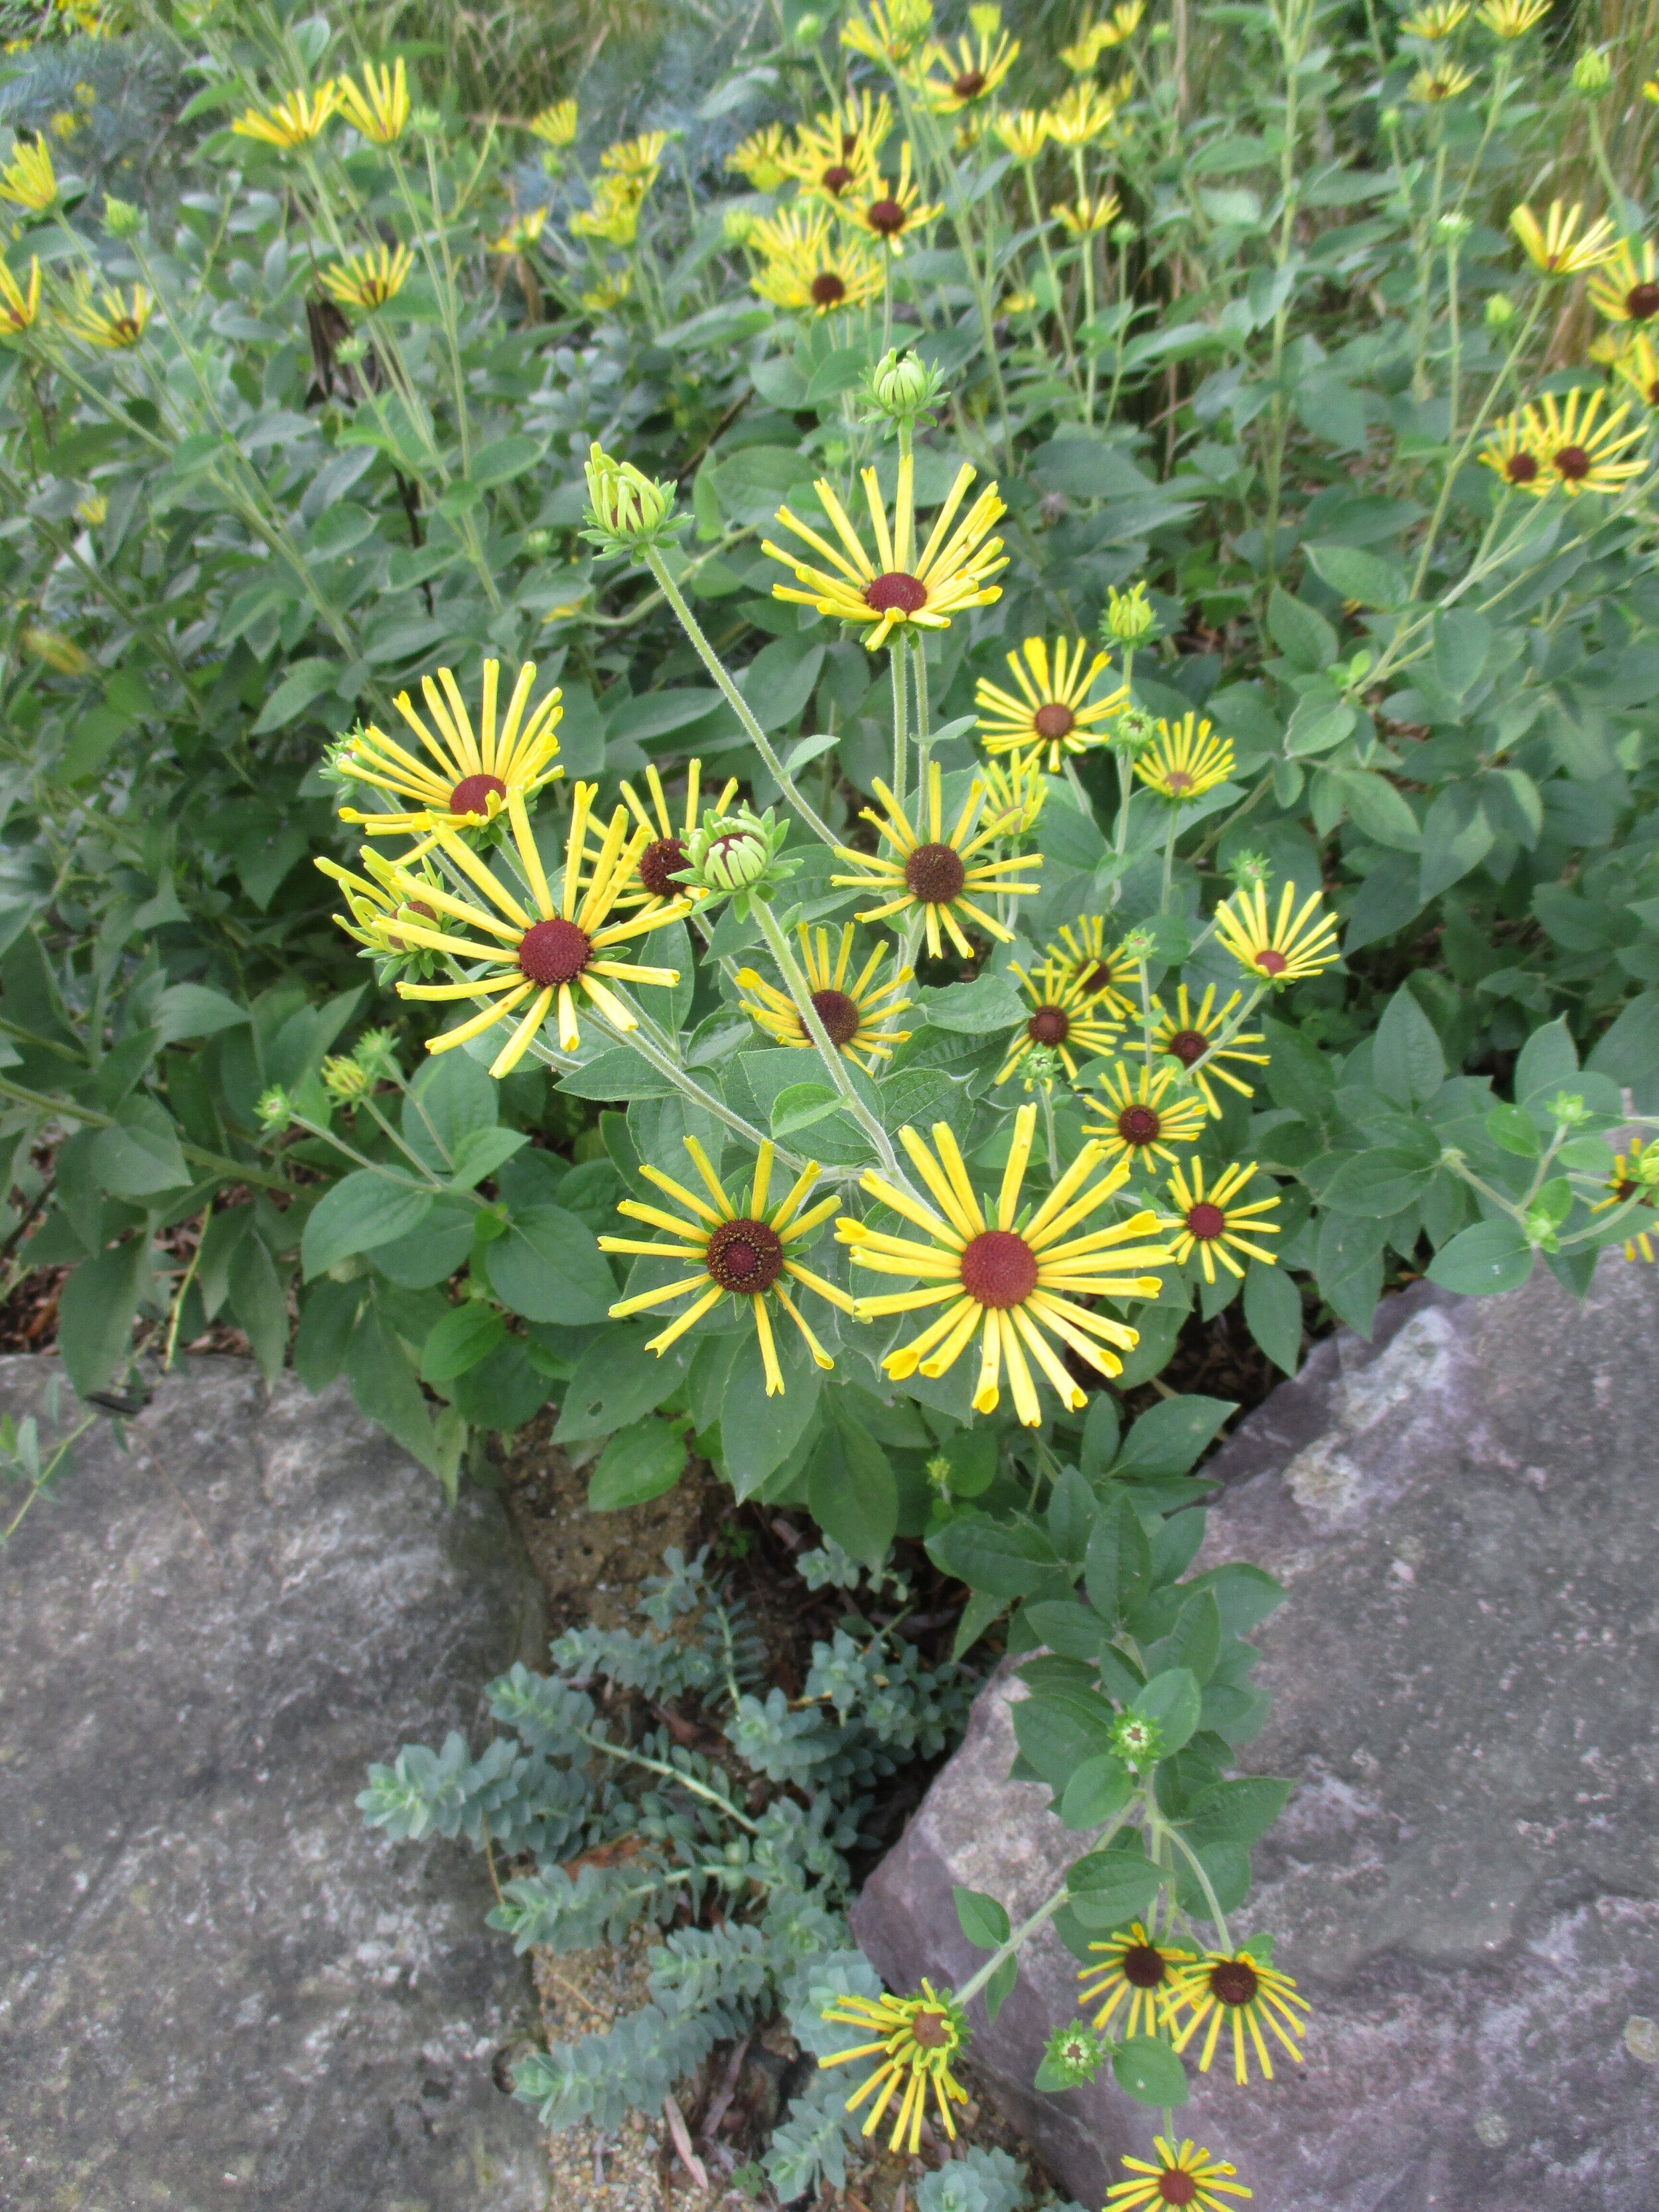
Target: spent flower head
627,511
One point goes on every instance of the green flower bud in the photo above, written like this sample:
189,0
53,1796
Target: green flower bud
902,387
739,855
426,123
1644,1167
536,542
275,1109
1123,233
808,30
377,1052
1499,312
1040,1064
121,218
627,510
1128,616
344,1080
1249,870
1138,1741
1390,119
1137,947
351,350
1540,1226
1134,729
1591,74
1568,1107
738,225
1074,2054
1454,228
938,1471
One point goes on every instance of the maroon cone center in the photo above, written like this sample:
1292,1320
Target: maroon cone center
838,1013
415,907
1522,469
895,590
886,218
1048,1025
1138,1125
970,84
1573,463
1053,721
1187,1045
659,865
1177,779
1098,977
554,953
1641,301
932,2030
827,290
1234,1982
1142,1966
1176,2187
745,1255
473,793
935,874
1206,1220
1270,961
836,179
999,1269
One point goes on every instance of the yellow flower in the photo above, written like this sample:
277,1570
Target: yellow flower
1050,710
477,773
1099,971
952,573
65,122
1088,216
379,108
1637,366
1512,19
1554,249
555,126
1296,944
1122,23
838,151
1185,759
741,1256
891,216
934,877
916,2038
1436,22
598,300
1209,1223
1136,1965
1014,1287
635,157
1625,290
856,1014
1015,794
662,860
295,119
19,308
28,179
1509,451
1575,451
1191,1038
1142,1119
523,230
613,213
1017,303
1186,2176
57,651
543,952
806,271
369,279
115,322
971,75
1024,135
1085,113
1246,1993
93,509
374,901
890,31
1624,1182
760,158
1432,88
1064,1019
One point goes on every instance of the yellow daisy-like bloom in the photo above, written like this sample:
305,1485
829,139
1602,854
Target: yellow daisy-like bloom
1185,2175
1554,247
933,876
1625,289
740,1255
1637,366
857,1013
1015,794
917,2037
1575,451
662,860
636,157
296,120
836,153
1185,759
759,158
1082,950
951,574
1297,943
1053,708
1208,1222
28,179
543,953
1136,1965
476,773
19,308
555,126
890,217
1143,1120
374,900
1085,113
379,107
1122,23
598,300
1436,22
1087,217
613,212
1509,451
1014,1287
523,230
1064,1019
1432,88
806,270
971,75
1512,19
369,279
114,321
1235,1990
93,509
1024,135
1190,1037
890,31
1626,1182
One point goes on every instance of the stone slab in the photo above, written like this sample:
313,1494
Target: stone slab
1465,1881
217,1989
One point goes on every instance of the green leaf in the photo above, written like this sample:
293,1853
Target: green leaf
981,1919
1110,1887
1100,1434
1548,1063
619,1073
989,1002
1301,632
1318,723
1456,837
451,1099
1007,1559
192,1009
852,1493
466,1334
140,1156
1001,1987
800,1105
1150,2072
384,1385
1348,1262
1352,575
1118,1567
362,1210
1099,1789
1630,1050
503,458
306,681
482,1152
326,1321
759,1432
1235,1812
615,1380
1513,1130
640,1462
1174,1700
259,1303
1378,1183
975,1455
1375,807
1407,1060
549,1267
95,1313
1057,1728
1491,1256
1168,1438
1273,1314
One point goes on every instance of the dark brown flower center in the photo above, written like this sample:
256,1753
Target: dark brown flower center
1270,961
1048,1025
473,793
554,953
886,218
1641,301
828,289
1234,1982
1138,1125
1653,394
1053,721
1176,2187
1187,1045
1573,463
935,874
1177,779
970,84
1142,1966
836,178
659,863
1206,1220
1624,1190
932,2030
999,1269
849,143
1521,468
839,1015
1098,977
896,589
745,1255
415,907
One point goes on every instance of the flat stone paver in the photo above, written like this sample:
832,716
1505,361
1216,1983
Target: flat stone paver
217,1989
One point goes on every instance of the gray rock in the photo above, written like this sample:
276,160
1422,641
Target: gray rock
1465,1881
217,1987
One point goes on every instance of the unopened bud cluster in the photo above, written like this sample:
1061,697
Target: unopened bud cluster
1129,615
738,856
902,387
627,510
